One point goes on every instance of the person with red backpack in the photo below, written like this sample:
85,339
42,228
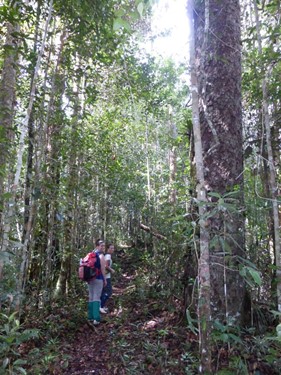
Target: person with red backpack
96,284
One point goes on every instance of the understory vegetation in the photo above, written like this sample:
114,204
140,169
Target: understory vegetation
145,332
176,163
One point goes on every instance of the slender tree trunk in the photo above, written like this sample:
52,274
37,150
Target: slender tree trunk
70,219
38,250
204,307
172,161
105,211
24,128
271,165
29,209
7,105
53,172
24,125
29,204
147,161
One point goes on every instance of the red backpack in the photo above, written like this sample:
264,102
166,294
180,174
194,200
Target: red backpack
89,267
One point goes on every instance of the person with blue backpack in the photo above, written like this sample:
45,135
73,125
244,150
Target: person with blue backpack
96,284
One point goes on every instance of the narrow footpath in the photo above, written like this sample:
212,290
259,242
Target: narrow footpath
137,336
89,352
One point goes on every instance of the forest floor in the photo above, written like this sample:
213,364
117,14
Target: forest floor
135,337
144,333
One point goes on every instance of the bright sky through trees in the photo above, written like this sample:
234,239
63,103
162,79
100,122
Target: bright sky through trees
170,24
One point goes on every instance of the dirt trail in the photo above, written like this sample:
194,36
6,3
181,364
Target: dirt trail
139,336
89,351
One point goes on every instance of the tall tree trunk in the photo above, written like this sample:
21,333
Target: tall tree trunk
53,145
29,204
147,159
24,129
204,301
271,164
172,160
7,106
70,217
218,58
38,250
24,125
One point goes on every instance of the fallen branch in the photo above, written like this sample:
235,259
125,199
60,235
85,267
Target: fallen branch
152,232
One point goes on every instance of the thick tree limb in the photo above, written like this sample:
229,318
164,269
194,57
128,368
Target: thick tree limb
152,232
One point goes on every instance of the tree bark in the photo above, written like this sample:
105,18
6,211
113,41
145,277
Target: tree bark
24,125
218,65
172,160
53,146
204,301
24,128
7,106
71,220
271,165
29,203
152,232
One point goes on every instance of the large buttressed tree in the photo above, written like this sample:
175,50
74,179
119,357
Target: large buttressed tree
218,68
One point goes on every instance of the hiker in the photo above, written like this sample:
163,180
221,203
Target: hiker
96,285
107,290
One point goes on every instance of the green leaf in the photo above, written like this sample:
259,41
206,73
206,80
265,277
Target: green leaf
231,194
10,339
224,337
225,245
277,314
220,327
190,321
7,195
119,23
140,9
221,202
5,362
243,272
12,318
21,370
120,12
214,194
134,16
248,262
19,362
235,338
255,275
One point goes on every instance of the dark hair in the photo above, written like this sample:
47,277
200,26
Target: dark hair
99,242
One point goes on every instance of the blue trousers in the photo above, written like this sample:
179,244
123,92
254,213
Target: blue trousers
106,292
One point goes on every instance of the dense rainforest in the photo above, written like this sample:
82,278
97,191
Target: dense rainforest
175,163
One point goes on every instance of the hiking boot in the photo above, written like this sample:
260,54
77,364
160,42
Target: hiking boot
95,322
103,310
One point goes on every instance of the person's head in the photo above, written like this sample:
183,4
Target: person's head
100,245
110,248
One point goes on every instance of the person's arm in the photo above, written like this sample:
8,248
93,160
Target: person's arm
107,265
102,266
